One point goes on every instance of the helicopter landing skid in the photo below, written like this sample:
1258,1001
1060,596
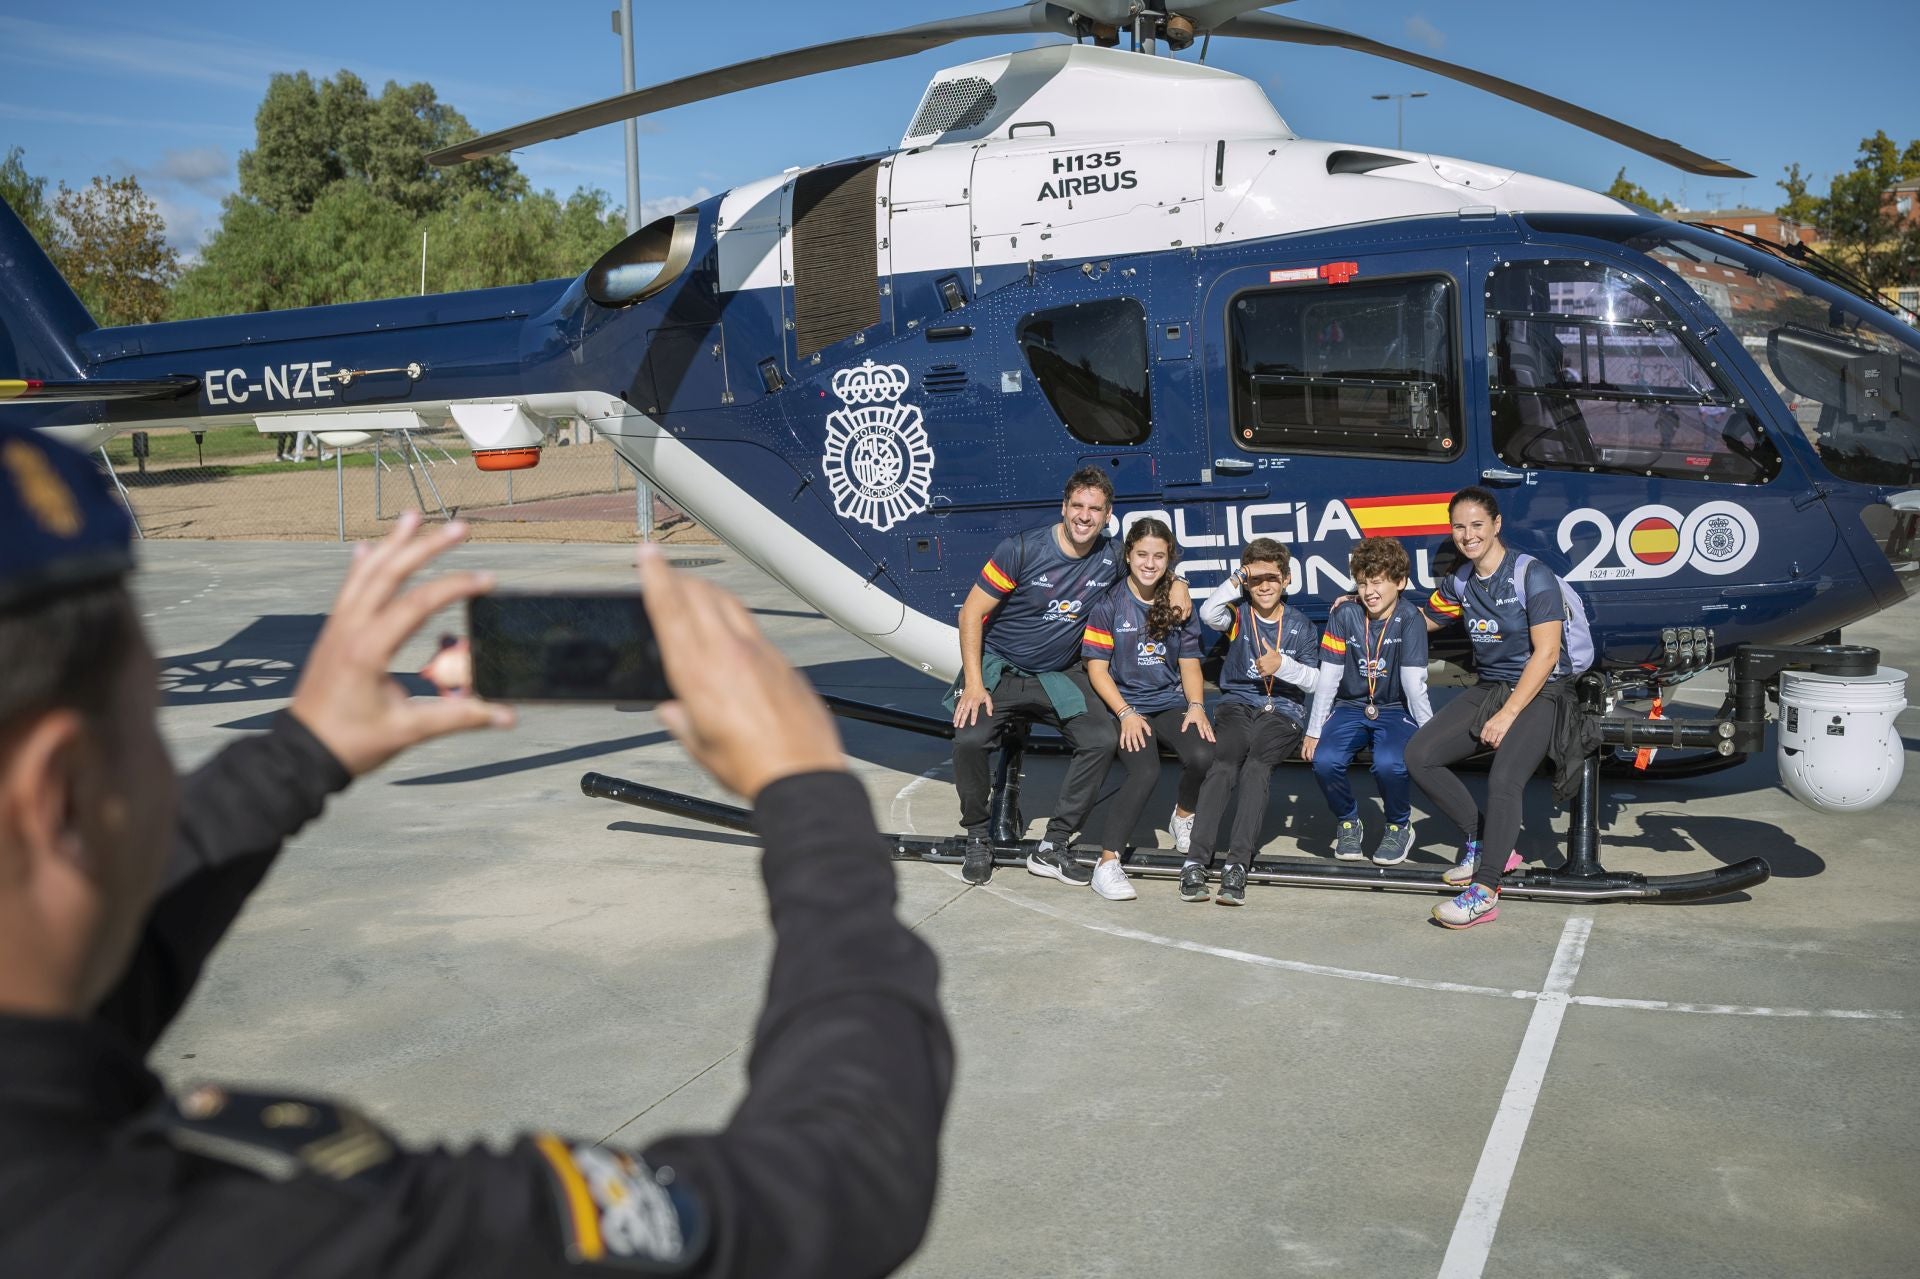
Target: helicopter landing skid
1570,883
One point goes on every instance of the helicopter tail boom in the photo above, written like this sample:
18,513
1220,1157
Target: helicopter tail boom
41,319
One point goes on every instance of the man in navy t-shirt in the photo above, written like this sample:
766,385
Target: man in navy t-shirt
1020,632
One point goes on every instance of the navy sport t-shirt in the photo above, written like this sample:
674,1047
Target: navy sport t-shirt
1240,679
1358,644
1043,597
1497,617
1146,671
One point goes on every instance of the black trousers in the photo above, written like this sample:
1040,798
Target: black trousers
1143,772
1249,744
1092,737
1448,738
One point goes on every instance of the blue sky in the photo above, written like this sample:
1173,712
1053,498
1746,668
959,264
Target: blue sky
168,93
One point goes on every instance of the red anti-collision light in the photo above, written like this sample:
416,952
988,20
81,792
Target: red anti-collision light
1338,272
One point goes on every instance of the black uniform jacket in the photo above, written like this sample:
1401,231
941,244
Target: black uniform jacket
826,1169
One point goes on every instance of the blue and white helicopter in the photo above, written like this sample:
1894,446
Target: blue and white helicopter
862,375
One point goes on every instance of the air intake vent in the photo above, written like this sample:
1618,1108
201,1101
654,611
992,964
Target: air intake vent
953,104
944,379
836,259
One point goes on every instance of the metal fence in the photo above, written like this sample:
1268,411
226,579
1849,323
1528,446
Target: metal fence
233,482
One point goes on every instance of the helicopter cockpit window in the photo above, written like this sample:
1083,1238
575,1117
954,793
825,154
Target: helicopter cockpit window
1364,368
1091,360
1847,371
645,262
1592,373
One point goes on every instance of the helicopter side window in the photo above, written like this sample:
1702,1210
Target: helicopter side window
1367,368
1091,360
1592,373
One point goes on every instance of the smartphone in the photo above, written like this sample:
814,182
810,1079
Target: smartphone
584,647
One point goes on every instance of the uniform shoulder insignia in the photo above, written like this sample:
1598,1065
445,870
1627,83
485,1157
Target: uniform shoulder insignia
617,1213
278,1137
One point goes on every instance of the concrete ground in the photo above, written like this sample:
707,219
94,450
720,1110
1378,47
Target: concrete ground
1320,1083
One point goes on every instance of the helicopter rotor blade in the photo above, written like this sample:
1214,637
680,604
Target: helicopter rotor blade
1026,19
1268,26
1205,15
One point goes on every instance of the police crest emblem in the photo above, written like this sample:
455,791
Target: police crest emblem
878,459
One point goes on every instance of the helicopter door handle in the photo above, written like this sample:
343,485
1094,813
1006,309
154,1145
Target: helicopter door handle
1500,475
1233,465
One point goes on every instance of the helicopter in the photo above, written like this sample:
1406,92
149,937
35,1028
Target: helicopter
863,374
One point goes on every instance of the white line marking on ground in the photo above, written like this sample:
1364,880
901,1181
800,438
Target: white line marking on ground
1421,983
903,816
1739,1010
1487,1195
1265,961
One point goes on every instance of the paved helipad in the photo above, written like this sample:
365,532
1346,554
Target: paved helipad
1320,1083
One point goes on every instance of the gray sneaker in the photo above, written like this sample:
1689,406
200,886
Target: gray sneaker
1351,843
1394,845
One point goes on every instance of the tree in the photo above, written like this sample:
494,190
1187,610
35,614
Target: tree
26,195
111,244
1634,193
336,192
311,134
1860,219
1807,210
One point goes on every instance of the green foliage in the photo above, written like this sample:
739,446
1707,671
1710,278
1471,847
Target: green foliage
1807,210
26,195
111,244
335,195
1860,219
310,135
1634,193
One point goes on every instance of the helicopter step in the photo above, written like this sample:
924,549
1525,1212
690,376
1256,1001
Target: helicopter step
1581,880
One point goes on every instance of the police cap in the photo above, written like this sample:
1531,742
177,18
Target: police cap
61,529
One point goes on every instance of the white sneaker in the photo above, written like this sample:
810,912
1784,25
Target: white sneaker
1182,830
1111,882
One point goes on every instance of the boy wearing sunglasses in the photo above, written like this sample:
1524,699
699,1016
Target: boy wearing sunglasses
1272,666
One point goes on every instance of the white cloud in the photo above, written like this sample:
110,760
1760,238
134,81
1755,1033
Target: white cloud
661,206
206,170
1420,31
189,221
91,119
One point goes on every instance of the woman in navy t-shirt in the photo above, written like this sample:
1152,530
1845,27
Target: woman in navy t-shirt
1515,629
1144,662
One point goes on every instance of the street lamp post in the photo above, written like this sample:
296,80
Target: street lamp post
623,27
1399,114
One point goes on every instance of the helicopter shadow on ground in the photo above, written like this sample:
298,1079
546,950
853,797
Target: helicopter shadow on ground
259,662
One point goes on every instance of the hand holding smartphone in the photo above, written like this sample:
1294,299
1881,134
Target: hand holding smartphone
593,646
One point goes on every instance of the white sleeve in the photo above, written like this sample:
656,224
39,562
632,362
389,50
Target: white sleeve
1217,609
1323,698
1413,679
1297,673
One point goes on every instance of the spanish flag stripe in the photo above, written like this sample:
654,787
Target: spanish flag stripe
1655,539
1444,605
13,388
998,579
1333,643
1099,639
1402,518
1406,530
586,1218
1405,499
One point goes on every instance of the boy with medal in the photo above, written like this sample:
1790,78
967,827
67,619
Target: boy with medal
1372,692
1270,669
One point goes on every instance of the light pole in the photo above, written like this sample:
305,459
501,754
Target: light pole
1399,114
623,27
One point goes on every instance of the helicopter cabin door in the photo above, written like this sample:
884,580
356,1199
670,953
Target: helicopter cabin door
1337,403
1627,453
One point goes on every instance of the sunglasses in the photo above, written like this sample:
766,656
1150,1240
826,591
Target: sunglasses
1265,579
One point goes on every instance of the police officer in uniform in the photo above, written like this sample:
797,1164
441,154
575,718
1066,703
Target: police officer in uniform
116,882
